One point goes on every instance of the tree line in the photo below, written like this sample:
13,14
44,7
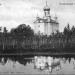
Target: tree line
23,37
27,31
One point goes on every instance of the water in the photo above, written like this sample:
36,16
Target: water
37,65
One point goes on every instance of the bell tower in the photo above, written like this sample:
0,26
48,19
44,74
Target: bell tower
46,10
46,20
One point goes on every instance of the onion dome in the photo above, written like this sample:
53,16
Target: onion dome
46,8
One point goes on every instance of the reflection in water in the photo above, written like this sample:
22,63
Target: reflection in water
38,64
49,63
3,61
21,60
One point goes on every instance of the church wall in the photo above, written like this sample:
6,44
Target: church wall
49,29
39,27
55,27
46,28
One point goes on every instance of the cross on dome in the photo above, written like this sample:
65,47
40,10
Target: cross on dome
46,8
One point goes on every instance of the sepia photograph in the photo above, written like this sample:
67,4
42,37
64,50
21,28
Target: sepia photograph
37,37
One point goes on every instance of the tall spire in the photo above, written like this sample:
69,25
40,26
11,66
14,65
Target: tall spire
46,3
46,7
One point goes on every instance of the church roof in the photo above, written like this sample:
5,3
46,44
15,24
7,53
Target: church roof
41,20
53,21
46,8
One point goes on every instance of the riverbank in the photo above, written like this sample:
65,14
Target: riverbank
37,54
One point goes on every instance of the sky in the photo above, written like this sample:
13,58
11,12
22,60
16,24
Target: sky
16,12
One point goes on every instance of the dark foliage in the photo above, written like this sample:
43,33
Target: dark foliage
22,30
22,39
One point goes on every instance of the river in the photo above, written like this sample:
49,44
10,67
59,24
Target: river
37,65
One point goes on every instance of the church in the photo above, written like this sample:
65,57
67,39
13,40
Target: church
50,25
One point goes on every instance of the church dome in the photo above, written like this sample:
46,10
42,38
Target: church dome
46,8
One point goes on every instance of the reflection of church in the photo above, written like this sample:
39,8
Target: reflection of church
50,25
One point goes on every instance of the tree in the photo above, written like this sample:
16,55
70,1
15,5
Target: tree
0,29
5,30
67,33
23,30
68,27
73,29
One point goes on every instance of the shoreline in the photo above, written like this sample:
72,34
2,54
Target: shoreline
36,54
